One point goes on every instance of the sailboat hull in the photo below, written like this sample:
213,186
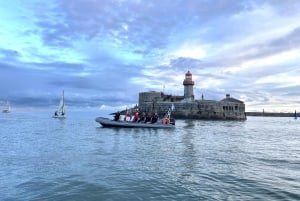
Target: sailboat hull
58,117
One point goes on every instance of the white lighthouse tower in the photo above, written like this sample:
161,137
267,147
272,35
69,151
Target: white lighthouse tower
188,84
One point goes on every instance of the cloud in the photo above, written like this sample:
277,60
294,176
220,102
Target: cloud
105,52
7,54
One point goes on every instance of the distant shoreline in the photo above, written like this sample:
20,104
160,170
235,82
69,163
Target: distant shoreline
270,114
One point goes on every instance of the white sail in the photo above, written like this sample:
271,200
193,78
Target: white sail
6,108
61,111
61,107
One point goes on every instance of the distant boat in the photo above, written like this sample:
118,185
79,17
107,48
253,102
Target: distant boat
61,111
6,108
295,114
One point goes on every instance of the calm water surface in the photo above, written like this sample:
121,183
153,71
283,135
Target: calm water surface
76,159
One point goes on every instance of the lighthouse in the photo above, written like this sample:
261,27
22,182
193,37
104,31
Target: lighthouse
188,84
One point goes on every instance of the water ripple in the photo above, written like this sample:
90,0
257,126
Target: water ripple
76,159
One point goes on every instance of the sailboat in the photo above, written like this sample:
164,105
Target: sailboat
6,108
61,111
295,114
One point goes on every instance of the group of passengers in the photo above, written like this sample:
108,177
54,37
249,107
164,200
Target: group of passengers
141,117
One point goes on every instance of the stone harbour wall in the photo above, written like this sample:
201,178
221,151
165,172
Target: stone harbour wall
199,109
186,107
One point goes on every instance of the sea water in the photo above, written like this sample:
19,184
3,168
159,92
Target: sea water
42,158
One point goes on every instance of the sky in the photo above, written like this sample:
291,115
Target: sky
102,53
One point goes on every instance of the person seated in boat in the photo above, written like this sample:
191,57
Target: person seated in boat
142,117
136,116
55,113
165,121
154,119
127,117
117,116
148,118
62,113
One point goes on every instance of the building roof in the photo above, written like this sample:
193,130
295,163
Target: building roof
232,100
188,73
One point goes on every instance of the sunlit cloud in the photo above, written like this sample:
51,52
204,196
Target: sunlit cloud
276,59
105,52
190,51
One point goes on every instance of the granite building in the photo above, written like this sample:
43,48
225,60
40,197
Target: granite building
187,107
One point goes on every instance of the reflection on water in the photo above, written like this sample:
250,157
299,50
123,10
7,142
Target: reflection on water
77,159
189,124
